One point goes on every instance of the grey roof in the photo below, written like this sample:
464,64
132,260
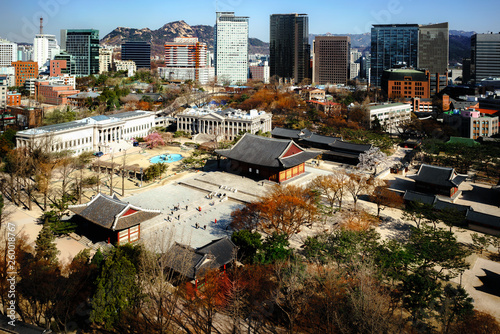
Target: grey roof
440,176
304,134
414,196
184,260
128,114
442,205
342,145
85,95
483,219
108,212
287,133
99,118
224,250
267,152
192,262
55,127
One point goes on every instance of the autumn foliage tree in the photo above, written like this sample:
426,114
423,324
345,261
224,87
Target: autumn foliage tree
284,210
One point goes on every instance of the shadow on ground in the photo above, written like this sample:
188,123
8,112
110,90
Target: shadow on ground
490,283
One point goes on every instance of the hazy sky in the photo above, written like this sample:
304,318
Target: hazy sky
19,19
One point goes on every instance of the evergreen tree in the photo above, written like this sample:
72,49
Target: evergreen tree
45,246
116,290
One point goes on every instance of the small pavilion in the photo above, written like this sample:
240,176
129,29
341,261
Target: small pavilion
112,220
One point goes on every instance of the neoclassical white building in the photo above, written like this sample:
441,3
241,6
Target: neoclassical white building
226,124
95,133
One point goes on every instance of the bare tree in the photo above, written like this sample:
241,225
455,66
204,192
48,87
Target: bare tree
357,185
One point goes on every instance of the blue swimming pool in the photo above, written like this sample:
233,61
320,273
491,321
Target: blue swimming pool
165,158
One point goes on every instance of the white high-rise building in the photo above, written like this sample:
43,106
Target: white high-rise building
45,48
231,48
8,53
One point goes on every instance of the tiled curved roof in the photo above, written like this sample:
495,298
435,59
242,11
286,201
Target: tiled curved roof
265,151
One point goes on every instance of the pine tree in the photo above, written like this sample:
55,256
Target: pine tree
45,245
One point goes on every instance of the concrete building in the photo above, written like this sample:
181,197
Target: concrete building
331,57
25,70
260,72
289,48
390,116
420,105
139,52
13,98
45,48
53,93
105,60
8,53
231,48
471,123
187,59
96,133
8,75
83,46
3,96
125,65
406,83
485,56
224,124
58,68
25,52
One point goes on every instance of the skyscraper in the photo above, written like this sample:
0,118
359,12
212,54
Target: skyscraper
8,53
139,52
83,46
485,56
231,48
45,48
433,47
289,48
433,54
331,59
392,45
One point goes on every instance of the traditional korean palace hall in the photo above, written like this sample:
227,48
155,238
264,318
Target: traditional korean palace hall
272,159
112,220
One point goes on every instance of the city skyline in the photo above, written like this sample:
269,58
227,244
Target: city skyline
20,21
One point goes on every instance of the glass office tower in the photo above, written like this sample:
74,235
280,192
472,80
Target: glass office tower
485,56
139,52
83,46
393,45
289,48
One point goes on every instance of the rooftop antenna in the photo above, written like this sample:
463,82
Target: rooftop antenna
41,25
216,6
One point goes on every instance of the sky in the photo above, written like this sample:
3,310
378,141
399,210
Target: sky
19,19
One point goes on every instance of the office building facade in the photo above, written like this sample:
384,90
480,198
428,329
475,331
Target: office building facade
289,48
231,48
331,58
485,56
8,53
187,59
406,83
139,52
433,54
392,45
83,46
45,48
25,70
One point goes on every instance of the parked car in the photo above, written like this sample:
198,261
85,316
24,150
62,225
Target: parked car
98,154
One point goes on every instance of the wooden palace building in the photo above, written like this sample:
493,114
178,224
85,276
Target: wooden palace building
112,220
273,159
